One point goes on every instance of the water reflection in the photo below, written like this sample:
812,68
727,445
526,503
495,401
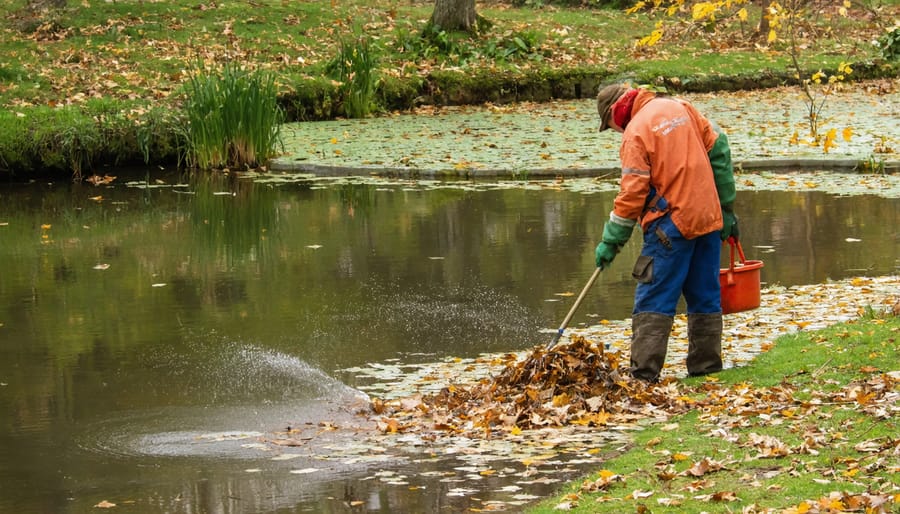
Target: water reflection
135,321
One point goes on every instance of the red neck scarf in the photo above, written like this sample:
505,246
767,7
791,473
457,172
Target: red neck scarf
622,108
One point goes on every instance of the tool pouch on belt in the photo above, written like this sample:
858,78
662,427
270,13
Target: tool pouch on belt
643,269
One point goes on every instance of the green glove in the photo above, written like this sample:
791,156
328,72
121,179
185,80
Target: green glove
615,234
605,254
729,223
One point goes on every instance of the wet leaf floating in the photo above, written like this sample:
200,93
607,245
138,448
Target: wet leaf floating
304,471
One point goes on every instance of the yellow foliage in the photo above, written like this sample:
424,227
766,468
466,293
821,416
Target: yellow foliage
704,10
637,7
829,140
652,39
847,133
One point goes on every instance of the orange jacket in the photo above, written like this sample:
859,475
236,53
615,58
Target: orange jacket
665,146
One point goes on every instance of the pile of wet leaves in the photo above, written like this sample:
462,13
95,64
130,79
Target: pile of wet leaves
577,383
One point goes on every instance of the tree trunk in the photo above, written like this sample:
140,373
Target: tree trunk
454,15
762,29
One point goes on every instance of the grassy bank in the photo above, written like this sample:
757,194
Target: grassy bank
102,83
810,426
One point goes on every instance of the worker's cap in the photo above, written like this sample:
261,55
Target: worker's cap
605,100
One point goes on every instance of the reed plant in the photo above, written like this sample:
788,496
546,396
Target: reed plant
356,69
233,119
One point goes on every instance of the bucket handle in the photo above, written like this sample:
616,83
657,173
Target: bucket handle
733,242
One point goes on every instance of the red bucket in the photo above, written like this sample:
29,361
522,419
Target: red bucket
740,282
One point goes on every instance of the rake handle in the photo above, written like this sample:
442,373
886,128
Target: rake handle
571,313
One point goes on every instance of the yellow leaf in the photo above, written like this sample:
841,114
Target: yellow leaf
636,8
46,226
652,39
334,140
515,431
829,140
703,10
795,139
605,473
742,14
772,37
847,133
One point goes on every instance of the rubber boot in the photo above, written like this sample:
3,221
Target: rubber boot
704,344
649,341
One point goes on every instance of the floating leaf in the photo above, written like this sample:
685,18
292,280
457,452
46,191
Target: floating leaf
304,471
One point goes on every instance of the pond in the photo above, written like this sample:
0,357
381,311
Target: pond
153,333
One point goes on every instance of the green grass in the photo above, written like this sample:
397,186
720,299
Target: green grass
808,392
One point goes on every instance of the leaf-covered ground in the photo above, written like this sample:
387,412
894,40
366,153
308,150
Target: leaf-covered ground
140,50
767,130
542,417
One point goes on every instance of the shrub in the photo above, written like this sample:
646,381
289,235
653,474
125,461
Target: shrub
355,67
232,119
890,44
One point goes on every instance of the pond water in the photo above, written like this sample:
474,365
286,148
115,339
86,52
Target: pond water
152,334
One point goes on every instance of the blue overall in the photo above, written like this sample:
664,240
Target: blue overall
688,267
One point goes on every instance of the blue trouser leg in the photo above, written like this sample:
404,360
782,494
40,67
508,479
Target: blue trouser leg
702,291
684,266
680,266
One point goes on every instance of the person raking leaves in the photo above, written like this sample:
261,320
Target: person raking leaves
677,184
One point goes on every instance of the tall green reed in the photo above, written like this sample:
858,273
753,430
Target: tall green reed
233,119
356,68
